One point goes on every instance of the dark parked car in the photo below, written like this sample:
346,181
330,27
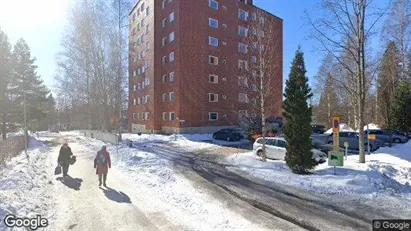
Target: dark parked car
229,134
318,129
352,139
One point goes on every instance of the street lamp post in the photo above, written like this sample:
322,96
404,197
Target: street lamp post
25,123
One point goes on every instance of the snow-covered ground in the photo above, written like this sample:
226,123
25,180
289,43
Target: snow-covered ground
30,188
25,184
387,172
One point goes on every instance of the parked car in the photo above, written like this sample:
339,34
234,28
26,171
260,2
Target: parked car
275,149
229,134
318,129
352,139
383,136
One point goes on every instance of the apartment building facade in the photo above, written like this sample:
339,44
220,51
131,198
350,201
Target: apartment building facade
187,58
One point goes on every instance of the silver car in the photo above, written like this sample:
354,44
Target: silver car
275,149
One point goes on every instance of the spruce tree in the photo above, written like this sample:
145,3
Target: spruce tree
26,82
401,108
297,115
5,71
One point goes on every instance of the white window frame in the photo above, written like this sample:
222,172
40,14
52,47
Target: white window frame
164,97
215,59
242,94
170,96
215,97
171,57
169,116
211,40
240,29
171,37
172,76
210,23
164,23
240,12
242,48
209,116
164,60
171,17
215,7
134,115
164,78
215,78
164,116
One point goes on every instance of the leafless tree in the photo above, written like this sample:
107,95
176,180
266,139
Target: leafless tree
397,28
343,30
260,70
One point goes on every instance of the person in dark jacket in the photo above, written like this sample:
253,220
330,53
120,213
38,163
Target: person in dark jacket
64,158
102,163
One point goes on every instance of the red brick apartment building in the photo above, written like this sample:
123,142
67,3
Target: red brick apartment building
185,60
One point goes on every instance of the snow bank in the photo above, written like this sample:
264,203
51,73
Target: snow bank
343,127
25,184
370,126
386,172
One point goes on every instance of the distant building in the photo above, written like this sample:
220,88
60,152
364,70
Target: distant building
184,60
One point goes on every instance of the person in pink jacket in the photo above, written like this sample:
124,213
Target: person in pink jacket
102,163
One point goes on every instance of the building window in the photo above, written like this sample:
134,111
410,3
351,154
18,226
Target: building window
164,60
262,20
213,78
163,24
171,116
254,59
164,78
242,48
134,102
242,98
164,113
213,4
254,88
171,17
134,73
262,47
172,96
139,101
171,37
242,15
164,4
242,81
139,86
147,46
172,76
147,29
212,97
242,65
212,116
164,97
212,60
171,56
262,34
242,31
134,116
213,41
164,41
213,22
147,11
254,45
254,16
134,87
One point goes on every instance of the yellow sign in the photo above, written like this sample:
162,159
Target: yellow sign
371,137
336,133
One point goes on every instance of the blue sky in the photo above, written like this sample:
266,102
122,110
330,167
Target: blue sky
43,30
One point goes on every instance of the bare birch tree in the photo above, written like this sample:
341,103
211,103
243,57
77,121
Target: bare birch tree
260,71
344,29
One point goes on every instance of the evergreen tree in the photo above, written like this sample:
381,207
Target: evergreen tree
5,71
297,114
401,108
26,83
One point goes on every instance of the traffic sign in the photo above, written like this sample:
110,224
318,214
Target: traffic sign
372,137
336,133
335,159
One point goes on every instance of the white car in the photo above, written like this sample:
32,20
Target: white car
275,149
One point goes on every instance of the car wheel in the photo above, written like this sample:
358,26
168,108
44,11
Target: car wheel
260,153
397,141
214,137
228,138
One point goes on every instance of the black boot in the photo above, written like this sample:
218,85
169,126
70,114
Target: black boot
104,180
99,179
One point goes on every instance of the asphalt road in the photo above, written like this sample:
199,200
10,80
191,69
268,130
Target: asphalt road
291,205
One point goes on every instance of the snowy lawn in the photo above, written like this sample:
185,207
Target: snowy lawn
186,141
387,172
25,189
